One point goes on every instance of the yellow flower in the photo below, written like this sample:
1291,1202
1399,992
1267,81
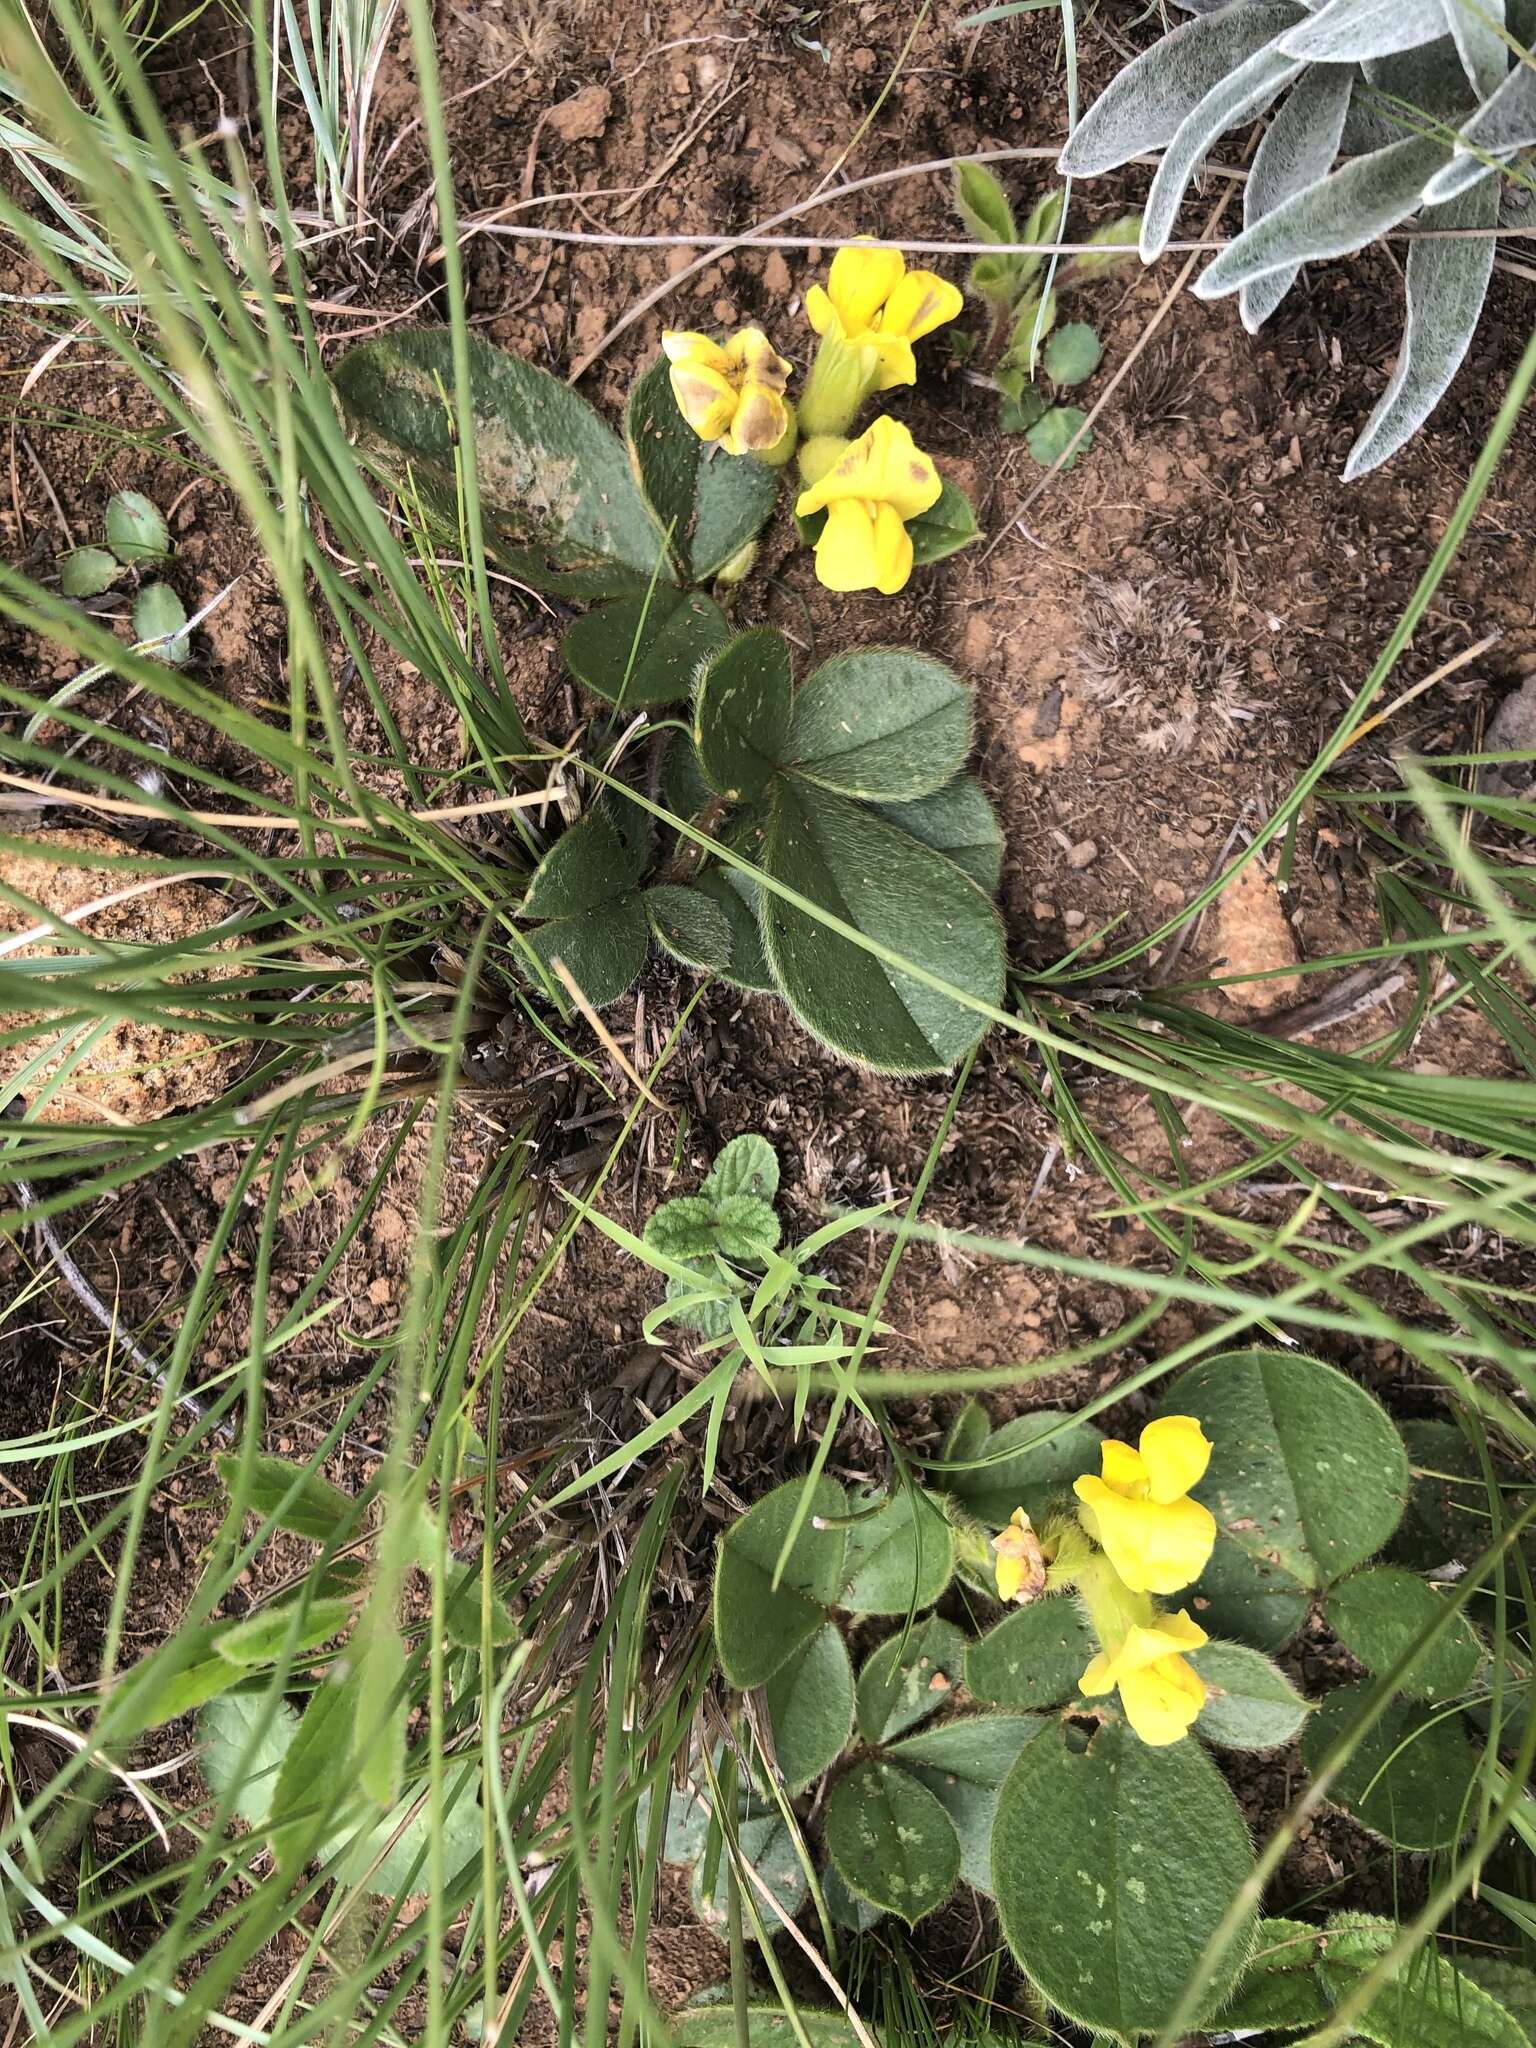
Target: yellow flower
732,393
872,301
1139,1512
1160,1690
877,484
1020,1560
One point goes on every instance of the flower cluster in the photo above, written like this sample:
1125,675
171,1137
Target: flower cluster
868,315
1146,1536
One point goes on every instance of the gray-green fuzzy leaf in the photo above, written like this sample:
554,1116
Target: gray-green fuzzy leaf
602,949
1505,122
746,1228
136,528
948,525
1341,213
736,896
1145,105
1113,1865
1034,1657
1072,354
1052,434
758,1628
1378,1614
588,864
1030,1461
316,1508
87,572
1281,1986
853,864
1447,282
1307,1473
810,1708
958,821
963,1763
898,1560
1243,92
1298,146
1350,31
683,1228
911,1675
1410,1776
644,650
689,925
741,712
891,1840
883,723
1476,27
561,504
159,623
1250,1703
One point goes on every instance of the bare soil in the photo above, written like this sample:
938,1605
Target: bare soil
1160,640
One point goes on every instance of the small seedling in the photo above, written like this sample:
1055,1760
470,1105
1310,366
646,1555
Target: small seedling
1033,359
137,539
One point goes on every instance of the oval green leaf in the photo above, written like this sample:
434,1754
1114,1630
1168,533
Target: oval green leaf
1410,1777
758,1627
1380,1613
810,1708
891,1840
899,1560
1249,1702
1113,1865
741,713
883,723
910,1676
644,650
1034,1657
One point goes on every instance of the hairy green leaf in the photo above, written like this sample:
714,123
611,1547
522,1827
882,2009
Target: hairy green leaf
1249,1703
883,723
810,1707
891,1840
759,1627
741,712
644,650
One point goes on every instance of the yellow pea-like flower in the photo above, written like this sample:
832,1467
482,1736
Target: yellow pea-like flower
880,481
731,392
872,301
1139,1511
1020,1561
1160,1690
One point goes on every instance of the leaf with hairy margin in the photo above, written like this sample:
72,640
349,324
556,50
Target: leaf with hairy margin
1476,27
1297,149
1342,213
1245,91
1144,106
1351,31
1447,282
1505,122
